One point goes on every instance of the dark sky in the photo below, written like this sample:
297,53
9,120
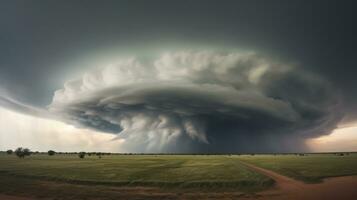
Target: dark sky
38,37
44,43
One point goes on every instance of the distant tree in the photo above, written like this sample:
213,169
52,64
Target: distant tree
22,152
27,152
19,152
9,151
82,154
51,152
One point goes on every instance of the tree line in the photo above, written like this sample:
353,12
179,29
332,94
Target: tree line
23,152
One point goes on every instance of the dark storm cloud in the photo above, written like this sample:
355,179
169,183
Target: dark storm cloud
43,43
39,38
22,108
203,100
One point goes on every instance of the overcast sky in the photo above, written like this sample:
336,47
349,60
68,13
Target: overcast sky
178,76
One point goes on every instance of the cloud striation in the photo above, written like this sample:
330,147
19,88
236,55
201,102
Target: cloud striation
202,101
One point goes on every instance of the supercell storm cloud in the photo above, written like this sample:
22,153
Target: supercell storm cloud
201,101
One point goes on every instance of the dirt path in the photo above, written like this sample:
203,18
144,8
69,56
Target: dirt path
287,188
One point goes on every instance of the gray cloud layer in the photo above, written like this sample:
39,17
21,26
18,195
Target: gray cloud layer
202,102
22,108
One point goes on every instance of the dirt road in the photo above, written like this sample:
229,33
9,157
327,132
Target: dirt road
289,189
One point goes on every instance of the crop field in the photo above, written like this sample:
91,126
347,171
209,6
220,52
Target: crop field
70,177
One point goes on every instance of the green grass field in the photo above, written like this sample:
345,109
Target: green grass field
139,170
311,168
69,177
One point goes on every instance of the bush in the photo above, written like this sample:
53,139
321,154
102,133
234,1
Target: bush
51,152
82,154
9,151
22,152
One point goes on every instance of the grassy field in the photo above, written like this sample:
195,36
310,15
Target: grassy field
177,171
311,168
163,176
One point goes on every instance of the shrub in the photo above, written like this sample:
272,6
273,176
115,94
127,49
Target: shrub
22,152
82,154
9,151
51,152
